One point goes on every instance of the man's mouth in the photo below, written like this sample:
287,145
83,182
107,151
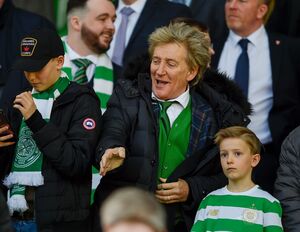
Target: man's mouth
161,83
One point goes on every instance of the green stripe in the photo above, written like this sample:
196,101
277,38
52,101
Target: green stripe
103,98
68,71
104,73
94,170
262,204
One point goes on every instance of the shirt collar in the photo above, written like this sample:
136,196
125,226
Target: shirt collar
254,38
136,6
182,99
74,55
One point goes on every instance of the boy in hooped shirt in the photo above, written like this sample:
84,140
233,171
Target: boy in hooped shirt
241,205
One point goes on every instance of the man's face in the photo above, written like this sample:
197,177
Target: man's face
46,77
98,27
237,160
244,16
170,72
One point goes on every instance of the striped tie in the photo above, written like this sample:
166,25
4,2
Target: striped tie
80,75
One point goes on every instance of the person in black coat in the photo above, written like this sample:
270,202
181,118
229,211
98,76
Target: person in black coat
61,129
14,24
287,185
130,148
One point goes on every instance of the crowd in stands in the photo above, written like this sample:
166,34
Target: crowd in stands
150,115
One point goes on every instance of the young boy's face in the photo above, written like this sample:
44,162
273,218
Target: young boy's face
236,159
47,76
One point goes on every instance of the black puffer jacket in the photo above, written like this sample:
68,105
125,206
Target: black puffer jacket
68,149
131,121
287,185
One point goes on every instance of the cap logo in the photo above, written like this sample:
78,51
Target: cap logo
28,45
89,124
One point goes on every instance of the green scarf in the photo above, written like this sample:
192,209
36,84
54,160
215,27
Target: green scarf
28,159
103,75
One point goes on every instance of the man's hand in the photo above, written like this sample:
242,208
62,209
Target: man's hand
4,136
168,193
24,102
112,159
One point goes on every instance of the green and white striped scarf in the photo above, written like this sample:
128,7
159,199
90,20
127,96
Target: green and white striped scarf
103,86
103,76
28,159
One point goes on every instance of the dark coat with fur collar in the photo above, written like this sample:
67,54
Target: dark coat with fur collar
131,121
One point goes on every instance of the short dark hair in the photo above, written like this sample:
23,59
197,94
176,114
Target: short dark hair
73,4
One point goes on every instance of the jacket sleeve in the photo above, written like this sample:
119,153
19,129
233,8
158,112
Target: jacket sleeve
72,152
200,186
116,125
287,185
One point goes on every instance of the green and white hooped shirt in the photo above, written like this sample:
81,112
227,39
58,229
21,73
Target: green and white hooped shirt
252,211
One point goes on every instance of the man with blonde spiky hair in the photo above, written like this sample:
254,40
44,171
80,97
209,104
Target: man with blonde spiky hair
159,128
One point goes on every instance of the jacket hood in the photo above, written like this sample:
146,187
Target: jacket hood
227,88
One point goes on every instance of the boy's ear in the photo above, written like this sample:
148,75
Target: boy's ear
255,160
60,62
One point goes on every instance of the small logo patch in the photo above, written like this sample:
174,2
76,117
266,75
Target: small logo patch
89,124
250,215
28,45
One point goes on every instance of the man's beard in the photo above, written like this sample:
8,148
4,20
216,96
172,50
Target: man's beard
91,39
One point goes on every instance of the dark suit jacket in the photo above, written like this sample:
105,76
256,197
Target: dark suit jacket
285,18
212,14
156,13
285,113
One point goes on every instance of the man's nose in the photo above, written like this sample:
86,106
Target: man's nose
31,75
161,69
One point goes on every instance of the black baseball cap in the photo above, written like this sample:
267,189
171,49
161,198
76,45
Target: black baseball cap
37,48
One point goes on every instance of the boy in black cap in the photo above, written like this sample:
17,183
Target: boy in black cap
56,128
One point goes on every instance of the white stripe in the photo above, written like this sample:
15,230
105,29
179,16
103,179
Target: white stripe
271,219
105,61
44,106
103,110
200,215
103,86
95,180
239,213
233,213
254,192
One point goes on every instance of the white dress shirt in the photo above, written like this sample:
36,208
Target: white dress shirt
260,93
177,107
74,55
137,6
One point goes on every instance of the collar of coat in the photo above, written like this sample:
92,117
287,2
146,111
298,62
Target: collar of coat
223,95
